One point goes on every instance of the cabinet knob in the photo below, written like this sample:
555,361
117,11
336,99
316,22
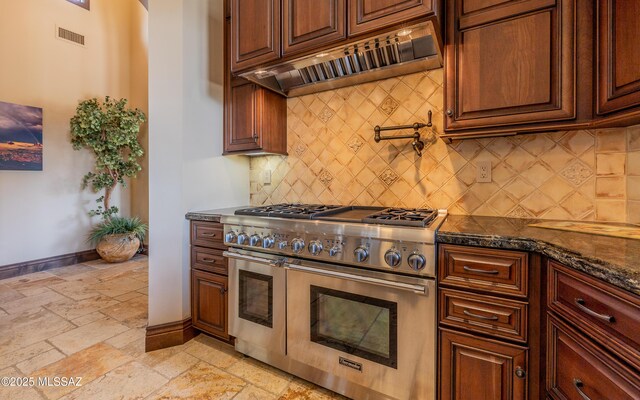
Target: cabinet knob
255,137
450,113
520,373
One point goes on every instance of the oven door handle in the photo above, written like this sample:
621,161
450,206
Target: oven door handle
259,260
420,289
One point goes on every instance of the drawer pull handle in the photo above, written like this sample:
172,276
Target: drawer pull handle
209,260
577,383
520,373
208,234
481,271
580,303
472,315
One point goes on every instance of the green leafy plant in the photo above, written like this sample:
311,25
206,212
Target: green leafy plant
119,225
110,130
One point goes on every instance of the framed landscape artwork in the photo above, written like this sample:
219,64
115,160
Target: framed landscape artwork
81,3
20,137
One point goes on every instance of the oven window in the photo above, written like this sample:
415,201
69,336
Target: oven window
256,298
363,326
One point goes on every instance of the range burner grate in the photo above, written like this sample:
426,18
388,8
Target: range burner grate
292,210
402,217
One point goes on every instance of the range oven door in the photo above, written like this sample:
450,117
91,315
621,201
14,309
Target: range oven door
257,305
366,330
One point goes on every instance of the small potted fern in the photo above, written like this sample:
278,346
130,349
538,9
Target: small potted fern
110,130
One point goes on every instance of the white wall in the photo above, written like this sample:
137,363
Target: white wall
44,214
186,169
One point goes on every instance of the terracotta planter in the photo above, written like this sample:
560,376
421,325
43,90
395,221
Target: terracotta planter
118,248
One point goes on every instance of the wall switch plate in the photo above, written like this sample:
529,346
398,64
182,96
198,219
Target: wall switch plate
266,177
483,173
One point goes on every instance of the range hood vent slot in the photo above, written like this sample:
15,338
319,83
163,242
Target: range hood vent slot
400,52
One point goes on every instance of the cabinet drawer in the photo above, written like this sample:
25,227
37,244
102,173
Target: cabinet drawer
207,234
577,369
501,318
607,314
210,260
488,270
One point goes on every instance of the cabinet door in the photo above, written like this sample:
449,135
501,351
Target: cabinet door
618,55
242,117
308,24
209,303
370,15
255,32
472,368
509,64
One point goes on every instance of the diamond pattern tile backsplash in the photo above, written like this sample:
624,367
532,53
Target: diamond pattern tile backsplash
333,159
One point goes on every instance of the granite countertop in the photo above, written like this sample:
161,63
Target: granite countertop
614,260
211,215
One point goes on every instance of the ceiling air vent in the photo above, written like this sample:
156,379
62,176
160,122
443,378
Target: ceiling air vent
71,36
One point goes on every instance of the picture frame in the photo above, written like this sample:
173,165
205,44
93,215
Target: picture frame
86,4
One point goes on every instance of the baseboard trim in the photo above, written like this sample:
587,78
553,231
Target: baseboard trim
169,335
43,264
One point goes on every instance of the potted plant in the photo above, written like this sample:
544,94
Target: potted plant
110,130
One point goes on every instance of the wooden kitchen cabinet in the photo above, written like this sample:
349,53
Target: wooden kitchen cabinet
371,15
311,24
255,119
472,368
209,290
578,369
509,64
618,56
255,32
489,321
209,303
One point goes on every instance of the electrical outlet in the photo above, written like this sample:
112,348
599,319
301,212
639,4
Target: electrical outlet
266,177
483,173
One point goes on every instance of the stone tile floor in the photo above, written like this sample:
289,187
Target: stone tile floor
88,320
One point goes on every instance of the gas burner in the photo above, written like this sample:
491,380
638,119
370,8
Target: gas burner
402,217
293,210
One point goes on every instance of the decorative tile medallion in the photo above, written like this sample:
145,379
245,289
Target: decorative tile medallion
325,177
577,173
389,105
388,176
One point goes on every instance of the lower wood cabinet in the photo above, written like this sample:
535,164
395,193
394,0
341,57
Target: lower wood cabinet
209,303
472,368
578,369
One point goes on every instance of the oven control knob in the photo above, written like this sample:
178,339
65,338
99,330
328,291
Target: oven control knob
297,245
230,237
268,242
255,240
416,261
315,247
393,258
334,251
283,245
361,254
243,238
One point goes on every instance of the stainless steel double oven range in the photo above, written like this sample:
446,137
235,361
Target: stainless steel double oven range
341,296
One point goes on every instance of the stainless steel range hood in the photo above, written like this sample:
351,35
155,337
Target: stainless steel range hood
403,51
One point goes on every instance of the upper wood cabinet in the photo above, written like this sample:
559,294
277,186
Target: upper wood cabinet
509,64
310,24
255,119
370,15
255,32
618,55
